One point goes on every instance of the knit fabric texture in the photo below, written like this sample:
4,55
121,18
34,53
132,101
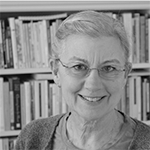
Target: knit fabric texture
39,135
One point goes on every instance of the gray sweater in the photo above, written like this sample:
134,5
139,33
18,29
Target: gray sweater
39,135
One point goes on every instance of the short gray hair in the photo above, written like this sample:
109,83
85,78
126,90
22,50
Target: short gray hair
93,24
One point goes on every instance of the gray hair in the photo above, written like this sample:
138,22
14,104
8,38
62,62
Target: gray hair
93,24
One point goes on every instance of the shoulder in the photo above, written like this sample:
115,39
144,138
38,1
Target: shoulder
141,139
37,133
42,124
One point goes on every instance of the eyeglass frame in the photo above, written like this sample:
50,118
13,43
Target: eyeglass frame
89,70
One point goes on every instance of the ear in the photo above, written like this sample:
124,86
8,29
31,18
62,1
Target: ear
54,67
128,69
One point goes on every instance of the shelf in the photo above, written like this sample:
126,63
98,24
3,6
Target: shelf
147,122
24,71
139,73
9,133
141,66
43,6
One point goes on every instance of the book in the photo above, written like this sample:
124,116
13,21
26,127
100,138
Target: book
36,98
50,99
148,40
32,99
142,39
13,37
2,117
7,52
23,104
44,96
128,23
3,24
12,112
137,37
42,44
56,107
19,41
21,44
144,103
17,102
12,142
148,100
45,46
38,45
135,104
31,52
6,105
1,48
5,144
132,97
27,94
138,96
24,46
48,17
1,143
28,44
127,109
9,49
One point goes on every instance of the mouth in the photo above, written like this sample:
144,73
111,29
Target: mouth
92,99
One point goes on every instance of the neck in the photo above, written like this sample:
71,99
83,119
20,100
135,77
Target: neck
92,134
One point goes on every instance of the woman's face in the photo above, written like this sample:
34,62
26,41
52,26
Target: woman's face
92,96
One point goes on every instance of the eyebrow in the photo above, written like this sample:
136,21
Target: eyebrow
85,61
77,58
111,61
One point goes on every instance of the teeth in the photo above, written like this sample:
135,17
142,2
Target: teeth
92,99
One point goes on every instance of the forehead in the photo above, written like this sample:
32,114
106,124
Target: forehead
92,50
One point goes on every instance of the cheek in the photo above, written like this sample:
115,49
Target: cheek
70,89
116,87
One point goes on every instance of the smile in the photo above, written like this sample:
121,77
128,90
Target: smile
92,99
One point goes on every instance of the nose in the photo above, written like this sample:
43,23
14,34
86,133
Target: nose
93,81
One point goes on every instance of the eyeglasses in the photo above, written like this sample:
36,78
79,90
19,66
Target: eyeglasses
81,70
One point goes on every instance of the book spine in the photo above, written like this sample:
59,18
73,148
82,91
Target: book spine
27,102
17,102
4,42
2,123
1,47
6,106
13,37
11,95
23,109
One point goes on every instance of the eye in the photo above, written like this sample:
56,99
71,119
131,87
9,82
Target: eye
79,67
109,68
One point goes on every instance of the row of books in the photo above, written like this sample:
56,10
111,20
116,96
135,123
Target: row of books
7,143
138,29
136,98
24,101
25,42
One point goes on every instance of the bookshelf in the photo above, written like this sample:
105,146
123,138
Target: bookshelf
9,133
43,8
24,71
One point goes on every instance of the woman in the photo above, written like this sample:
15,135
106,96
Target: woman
90,65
